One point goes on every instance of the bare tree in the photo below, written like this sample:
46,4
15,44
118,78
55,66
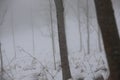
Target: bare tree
87,25
62,40
107,23
52,34
79,23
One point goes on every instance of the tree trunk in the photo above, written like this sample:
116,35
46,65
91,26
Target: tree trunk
1,64
62,40
107,24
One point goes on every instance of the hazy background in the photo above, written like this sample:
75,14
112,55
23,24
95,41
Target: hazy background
26,36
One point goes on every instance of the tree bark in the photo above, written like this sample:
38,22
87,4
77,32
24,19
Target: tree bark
62,40
107,24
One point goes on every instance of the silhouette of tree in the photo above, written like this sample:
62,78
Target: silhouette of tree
107,24
62,40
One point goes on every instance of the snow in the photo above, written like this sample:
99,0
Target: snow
25,35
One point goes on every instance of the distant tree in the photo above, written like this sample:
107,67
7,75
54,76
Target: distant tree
107,24
62,40
3,10
1,64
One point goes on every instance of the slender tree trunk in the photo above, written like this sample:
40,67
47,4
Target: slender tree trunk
79,23
62,40
87,25
52,34
1,66
99,40
107,23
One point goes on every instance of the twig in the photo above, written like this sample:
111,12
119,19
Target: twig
38,61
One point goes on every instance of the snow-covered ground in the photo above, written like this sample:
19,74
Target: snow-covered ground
27,33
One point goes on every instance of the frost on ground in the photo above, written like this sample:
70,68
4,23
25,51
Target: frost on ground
27,41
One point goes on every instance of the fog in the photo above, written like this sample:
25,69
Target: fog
29,39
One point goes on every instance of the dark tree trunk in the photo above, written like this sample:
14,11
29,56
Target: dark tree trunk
62,40
107,23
